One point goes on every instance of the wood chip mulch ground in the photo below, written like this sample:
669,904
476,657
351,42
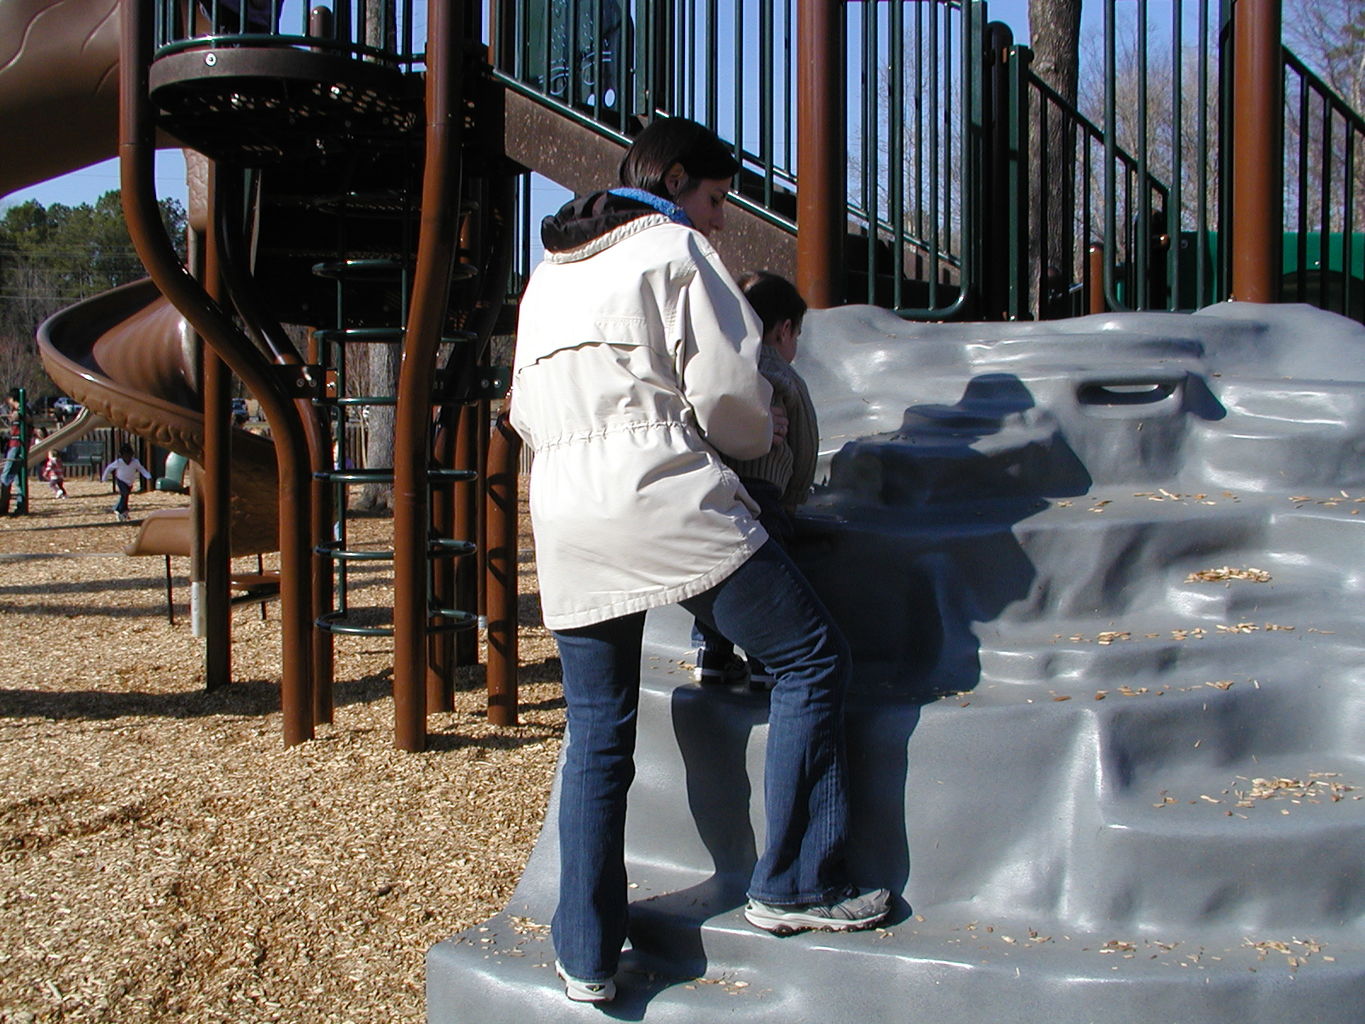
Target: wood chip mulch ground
164,857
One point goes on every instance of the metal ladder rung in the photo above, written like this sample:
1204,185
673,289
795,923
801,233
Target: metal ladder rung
337,553
450,547
459,620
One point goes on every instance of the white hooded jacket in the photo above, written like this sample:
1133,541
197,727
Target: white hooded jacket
636,361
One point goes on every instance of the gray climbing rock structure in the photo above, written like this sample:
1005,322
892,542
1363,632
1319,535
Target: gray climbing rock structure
1106,733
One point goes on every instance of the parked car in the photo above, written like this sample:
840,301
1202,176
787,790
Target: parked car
65,408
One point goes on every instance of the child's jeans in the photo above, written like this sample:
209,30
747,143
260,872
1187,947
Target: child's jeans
124,489
775,518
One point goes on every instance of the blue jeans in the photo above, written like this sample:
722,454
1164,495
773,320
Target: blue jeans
768,608
121,506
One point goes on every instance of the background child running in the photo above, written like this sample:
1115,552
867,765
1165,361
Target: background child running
780,480
125,470
55,473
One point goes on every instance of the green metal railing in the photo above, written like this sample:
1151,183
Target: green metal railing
1324,257
915,137
974,188
913,101
388,32
614,64
1082,192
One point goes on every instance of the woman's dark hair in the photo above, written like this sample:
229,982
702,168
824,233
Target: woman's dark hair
773,297
125,451
676,140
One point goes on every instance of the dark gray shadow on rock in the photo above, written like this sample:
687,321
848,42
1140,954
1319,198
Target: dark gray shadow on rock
911,544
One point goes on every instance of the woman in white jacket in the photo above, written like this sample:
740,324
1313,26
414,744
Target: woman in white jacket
636,364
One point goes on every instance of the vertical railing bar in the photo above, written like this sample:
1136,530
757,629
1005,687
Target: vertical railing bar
1110,157
1142,257
770,68
575,92
918,93
738,50
895,155
1087,205
1201,270
407,34
1174,210
947,108
598,37
1301,257
689,106
1044,222
934,158
1325,232
871,169
789,88
1348,219
623,68
650,48
689,77
713,65
546,59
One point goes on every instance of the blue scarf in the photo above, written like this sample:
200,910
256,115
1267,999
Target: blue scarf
667,207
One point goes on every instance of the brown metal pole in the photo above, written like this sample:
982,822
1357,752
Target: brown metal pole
216,481
504,450
412,420
197,244
1257,174
820,172
274,342
1094,286
136,152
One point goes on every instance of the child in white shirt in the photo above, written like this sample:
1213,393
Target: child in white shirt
125,470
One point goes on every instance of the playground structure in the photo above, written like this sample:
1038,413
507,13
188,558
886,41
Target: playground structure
1031,499
362,181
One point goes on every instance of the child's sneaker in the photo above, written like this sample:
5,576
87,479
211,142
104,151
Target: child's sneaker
585,991
852,911
719,668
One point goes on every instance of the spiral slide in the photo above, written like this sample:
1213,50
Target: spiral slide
127,356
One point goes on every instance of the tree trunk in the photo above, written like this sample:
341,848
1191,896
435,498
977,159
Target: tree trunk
1054,37
380,373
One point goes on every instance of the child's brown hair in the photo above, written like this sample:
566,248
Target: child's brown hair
774,299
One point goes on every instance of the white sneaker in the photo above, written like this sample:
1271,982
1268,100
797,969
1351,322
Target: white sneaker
581,991
854,910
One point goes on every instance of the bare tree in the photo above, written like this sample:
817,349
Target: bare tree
377,366
1054,37
1329,35
1323,170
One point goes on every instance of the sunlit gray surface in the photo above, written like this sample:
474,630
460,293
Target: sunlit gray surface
1102,581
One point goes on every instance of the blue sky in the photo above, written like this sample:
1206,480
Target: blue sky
85,186
88,184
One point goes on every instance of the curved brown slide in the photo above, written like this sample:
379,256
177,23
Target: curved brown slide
127,356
